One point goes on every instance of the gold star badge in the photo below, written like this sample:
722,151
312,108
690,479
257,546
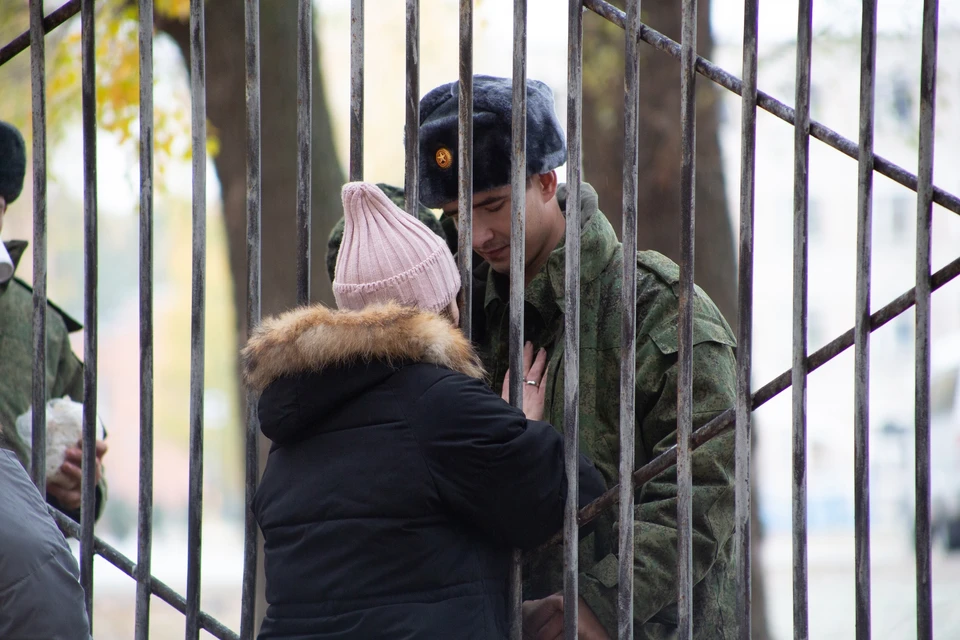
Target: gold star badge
444,158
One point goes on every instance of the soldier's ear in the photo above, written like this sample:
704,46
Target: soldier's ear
547,184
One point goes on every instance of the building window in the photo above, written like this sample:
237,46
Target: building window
816,332
814,218
899,216
816,101
903,330
902,101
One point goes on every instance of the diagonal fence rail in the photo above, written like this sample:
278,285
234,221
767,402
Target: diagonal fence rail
737,417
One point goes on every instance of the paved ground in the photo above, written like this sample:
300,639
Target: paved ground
832,588
221,569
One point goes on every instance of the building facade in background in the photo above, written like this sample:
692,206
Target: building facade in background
835,95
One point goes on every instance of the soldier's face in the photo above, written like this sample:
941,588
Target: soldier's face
491,221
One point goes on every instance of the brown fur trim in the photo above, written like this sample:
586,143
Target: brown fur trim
312,338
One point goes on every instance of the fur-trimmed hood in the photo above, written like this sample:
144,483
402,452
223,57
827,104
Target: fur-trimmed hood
311,339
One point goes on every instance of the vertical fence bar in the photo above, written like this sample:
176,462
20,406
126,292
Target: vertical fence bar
38,463
928,96
744,431
90,272
356,90
868,61
628,321
801,187
145,501
518,174
688,58
197,322
304,128
252,459
571,347
411,180
465,166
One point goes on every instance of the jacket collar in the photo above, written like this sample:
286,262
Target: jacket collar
16,249
311,339
598,244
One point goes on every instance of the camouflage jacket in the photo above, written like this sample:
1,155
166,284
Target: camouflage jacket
64,370
655,556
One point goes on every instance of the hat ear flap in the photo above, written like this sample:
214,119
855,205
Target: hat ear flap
13,162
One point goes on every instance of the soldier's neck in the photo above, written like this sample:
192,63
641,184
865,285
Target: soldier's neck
557,224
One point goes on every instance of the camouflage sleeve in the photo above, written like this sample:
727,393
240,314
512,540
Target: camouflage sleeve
426,216
655,558
69,382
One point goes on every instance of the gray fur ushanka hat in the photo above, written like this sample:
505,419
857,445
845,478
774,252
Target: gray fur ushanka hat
13,162
492,128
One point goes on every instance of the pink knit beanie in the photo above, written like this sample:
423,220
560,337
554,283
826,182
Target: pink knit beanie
388,255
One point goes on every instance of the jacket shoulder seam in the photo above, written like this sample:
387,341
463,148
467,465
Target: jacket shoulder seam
70,324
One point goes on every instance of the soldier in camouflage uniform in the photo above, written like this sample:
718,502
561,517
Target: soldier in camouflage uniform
655,550
64,372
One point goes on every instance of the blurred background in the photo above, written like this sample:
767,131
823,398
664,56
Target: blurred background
832,242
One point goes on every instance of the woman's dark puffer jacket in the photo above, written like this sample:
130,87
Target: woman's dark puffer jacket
397,482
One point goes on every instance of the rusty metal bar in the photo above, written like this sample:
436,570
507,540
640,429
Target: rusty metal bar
411,179
248,593
38,463
145,498
304,128
723,422
465,169
688,146
628,320
518,182
88,84
868,62
158,588
744,431
197,318
928,96
728,81
356,90
801,188
571,316
51,22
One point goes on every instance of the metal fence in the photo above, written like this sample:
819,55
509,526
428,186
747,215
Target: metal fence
737,417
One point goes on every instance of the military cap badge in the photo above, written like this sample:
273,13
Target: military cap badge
444,158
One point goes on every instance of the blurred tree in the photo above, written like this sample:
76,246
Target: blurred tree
117,112
226,77
226,82
658,223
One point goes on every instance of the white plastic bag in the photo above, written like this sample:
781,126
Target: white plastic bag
64,430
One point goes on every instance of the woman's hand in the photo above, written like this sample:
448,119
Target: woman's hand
534,383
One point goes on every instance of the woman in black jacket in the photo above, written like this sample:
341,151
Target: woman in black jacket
397,482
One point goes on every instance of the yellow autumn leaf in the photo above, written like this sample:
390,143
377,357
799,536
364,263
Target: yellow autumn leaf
172,8
118,84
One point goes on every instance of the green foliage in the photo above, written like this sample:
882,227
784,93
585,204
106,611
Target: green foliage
118,83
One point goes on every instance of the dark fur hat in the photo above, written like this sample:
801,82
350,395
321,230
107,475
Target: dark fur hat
13,162
492,129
